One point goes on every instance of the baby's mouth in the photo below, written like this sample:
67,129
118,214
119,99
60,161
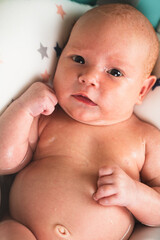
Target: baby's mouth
84,99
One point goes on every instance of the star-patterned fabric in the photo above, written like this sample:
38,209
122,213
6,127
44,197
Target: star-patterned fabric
60,11
157,84
31,41
43,51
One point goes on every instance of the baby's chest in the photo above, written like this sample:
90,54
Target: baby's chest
96,146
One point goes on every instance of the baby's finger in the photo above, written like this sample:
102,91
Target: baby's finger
105,180
49,108
104,191
110,201
49,105
53,98
105,171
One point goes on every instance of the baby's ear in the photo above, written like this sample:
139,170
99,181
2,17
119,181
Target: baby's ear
146,86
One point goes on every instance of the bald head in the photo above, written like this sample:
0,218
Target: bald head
132,20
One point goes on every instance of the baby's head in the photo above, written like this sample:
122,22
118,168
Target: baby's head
105,67
131,22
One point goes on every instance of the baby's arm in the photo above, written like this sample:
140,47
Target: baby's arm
19,126
147,206
115,187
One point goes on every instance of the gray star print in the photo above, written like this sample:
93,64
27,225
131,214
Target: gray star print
43,51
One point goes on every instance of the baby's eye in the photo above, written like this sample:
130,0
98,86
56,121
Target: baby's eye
78,59
115,72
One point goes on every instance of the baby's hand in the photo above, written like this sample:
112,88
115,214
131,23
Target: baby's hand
38,99
115,187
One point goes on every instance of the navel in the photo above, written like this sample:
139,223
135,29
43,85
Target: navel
62,231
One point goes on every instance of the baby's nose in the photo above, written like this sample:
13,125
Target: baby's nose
90,77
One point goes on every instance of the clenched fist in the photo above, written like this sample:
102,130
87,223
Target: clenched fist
38,99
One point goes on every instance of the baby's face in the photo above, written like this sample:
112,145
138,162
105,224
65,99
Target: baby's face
99,75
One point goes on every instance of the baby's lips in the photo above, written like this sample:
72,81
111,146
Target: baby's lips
94,197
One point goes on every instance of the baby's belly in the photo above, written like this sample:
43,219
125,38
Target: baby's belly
53,198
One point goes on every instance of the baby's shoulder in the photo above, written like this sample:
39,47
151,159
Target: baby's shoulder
149,132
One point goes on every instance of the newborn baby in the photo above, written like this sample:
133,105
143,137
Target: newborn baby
95,166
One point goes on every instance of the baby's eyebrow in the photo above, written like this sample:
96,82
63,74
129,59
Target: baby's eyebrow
119,63
74,45
79,46
74,50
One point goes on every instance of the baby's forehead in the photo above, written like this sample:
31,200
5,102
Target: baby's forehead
96,24
125,17
99,24
115,14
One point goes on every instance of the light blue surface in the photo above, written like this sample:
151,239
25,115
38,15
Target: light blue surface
91,2
151,9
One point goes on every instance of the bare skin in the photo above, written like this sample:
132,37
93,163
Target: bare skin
12,230
92,170
71,181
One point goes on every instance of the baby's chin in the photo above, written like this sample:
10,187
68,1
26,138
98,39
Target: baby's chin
92,115
87,119
82,118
